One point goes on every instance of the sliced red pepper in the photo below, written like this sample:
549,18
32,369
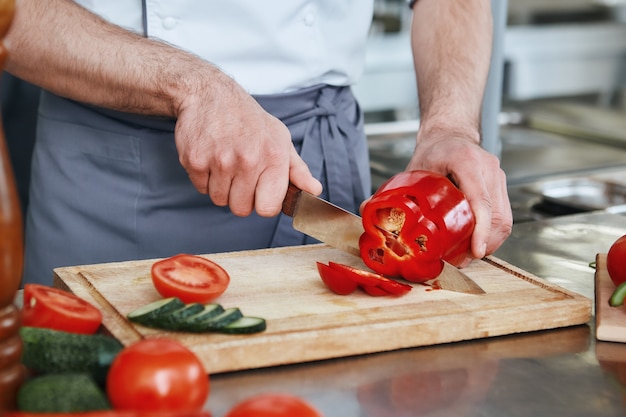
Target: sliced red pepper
374,291
371,279
336,280
344,279
412,223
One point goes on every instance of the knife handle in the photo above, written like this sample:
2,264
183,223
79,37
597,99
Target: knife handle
290,203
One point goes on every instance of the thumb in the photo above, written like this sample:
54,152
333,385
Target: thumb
300,175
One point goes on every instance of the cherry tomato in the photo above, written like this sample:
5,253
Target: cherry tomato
372,283
274,405
191,278
56,309
157,375
616,261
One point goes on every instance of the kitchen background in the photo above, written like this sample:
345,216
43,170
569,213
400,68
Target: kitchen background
554,109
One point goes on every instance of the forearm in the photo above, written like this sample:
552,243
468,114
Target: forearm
451,43
65,49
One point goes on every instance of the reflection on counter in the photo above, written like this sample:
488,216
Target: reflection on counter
612,359
493,377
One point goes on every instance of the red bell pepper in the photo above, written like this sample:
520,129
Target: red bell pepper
414,221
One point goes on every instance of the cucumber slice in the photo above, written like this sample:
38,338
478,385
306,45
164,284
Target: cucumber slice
213,324
244,325
176,319
172,314
149,313
208,312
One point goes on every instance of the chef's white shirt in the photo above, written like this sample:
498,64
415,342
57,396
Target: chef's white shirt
267,46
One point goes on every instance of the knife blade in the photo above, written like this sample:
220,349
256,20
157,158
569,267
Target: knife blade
341,229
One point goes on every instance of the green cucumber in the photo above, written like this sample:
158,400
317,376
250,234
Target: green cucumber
228,316
195,318
176,319
53,351
618,296
61,393
152,312
210,310
244,325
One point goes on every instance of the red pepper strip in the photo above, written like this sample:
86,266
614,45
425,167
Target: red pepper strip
370,279
336,280
374,291
414,221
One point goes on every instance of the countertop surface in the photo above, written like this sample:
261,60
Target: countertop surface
548,373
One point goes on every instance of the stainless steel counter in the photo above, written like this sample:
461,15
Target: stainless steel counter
562,372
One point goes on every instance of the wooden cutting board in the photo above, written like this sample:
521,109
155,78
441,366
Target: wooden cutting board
610,321
307,322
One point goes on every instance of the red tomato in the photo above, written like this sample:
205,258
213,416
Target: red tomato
191,278
616,261
56,309
274,405
157,375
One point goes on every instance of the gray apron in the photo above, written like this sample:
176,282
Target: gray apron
107,186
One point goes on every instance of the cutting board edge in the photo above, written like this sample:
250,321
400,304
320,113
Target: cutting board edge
294,342
535,280
609,320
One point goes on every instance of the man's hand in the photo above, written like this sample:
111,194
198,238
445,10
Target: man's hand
237,153
478,174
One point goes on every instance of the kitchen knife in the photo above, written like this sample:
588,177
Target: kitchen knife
341,229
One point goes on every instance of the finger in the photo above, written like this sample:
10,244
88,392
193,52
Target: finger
300,175
482,229
219,188
241,195
200,181
502,217
270,193
474,187
493,216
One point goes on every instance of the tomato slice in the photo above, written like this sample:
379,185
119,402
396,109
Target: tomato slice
366,278
338,282
56,309
191,278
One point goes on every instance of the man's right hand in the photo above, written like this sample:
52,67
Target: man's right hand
236,152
